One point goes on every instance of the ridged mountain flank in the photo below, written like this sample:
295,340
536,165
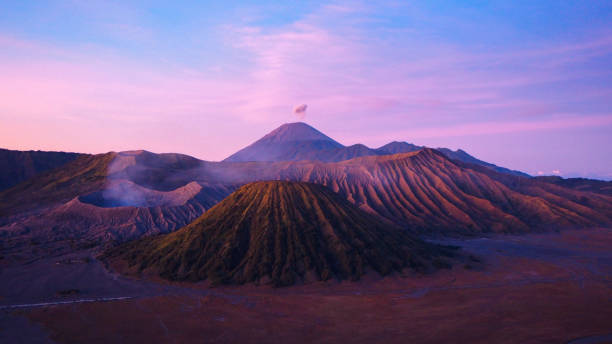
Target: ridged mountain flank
426,191
18,166
281,233
422,190
85,174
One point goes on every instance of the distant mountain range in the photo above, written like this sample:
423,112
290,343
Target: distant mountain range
18,166
583,184
115,197
299,141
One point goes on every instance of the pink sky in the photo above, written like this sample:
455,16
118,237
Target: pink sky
363,81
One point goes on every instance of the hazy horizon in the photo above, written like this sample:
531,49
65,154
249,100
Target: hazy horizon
526,86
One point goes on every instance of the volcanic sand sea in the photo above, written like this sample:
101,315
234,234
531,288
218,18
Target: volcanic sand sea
536,288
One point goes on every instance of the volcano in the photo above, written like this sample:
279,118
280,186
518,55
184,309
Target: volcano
290,141
282,233
299,141
426,191
423,190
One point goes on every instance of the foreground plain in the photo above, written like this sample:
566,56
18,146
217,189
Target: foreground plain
536,288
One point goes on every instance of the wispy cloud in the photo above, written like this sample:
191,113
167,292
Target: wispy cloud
392,80
355,71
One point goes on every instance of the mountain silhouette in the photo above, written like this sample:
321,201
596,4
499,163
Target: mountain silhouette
18,166
299,141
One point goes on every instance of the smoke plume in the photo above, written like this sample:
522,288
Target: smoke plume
300,111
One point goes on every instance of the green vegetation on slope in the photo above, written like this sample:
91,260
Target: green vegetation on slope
18,166
281,233
85,174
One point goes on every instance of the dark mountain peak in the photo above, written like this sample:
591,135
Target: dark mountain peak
290,141
134,152
298,131
424,153
398,147
281,233
358,147
299,141
431,151
160,160
18,166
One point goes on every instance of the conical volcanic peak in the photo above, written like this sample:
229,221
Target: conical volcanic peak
396,147
290,141
281,233
298,131
299,141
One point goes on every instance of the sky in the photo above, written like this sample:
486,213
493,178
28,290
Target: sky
523,84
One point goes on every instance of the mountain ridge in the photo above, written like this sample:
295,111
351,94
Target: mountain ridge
422,190
299,141
19,166
281,233
437,195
